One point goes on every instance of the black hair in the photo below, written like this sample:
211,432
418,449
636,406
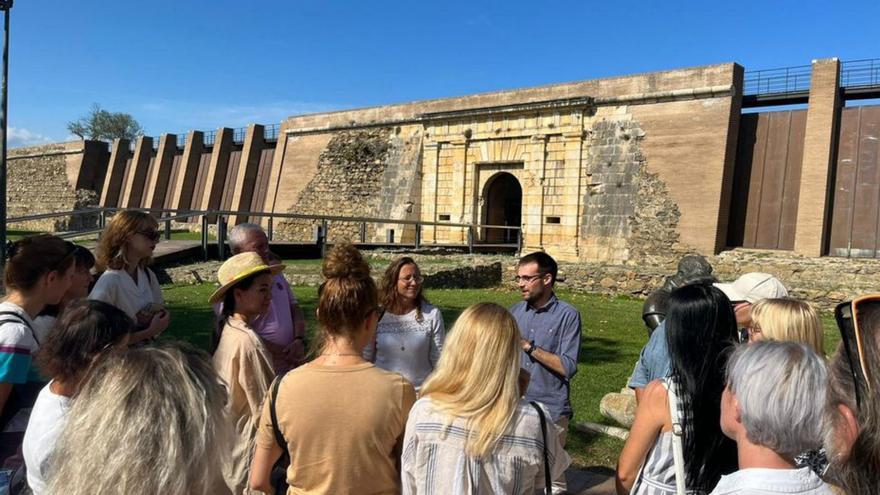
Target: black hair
545,262
228,307
82,258
700,332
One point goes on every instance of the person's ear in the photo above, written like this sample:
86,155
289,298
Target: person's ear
847,430
51,278
737,410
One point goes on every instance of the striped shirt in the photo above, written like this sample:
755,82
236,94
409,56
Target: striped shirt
434,459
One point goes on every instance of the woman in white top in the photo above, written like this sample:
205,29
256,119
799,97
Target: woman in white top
85,331
471,432
410,334
124,251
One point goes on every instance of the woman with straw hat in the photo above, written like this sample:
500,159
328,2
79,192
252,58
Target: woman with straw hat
240,357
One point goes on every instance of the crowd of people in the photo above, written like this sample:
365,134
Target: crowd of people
735,394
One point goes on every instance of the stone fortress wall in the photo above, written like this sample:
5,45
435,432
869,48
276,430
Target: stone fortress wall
621,170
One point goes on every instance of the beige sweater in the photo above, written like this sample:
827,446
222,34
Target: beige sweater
243,363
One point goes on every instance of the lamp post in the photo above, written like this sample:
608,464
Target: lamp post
5,6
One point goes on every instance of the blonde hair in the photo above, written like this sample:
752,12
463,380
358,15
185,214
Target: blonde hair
111,247
150,420
477,375
348,293
789,320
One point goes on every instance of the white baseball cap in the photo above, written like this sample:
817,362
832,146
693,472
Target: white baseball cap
752,287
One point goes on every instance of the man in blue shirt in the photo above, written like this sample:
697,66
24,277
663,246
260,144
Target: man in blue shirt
551,337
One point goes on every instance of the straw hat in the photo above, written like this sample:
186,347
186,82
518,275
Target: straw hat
238,268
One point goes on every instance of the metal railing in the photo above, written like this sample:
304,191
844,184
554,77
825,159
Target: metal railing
321,233
860,73
777,81
209,138
270,132
238,135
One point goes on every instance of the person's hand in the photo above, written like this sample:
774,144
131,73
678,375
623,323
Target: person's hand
158,324
525,344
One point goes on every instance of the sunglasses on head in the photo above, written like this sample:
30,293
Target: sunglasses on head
854,337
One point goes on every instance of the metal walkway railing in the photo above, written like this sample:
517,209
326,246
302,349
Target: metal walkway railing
323,223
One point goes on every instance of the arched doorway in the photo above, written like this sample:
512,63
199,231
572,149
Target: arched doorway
502,205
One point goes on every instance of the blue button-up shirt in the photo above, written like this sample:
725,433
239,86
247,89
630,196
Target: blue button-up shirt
556,328
654,361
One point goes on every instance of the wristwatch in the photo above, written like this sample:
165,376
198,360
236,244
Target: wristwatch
531,348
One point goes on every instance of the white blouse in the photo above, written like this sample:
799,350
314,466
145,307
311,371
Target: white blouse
116,287
408,346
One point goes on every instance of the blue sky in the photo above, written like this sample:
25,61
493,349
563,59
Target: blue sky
178,65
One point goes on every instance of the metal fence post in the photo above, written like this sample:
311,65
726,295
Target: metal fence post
323,240
205,236
519,240
221,238
418,235
167,230
470,239
271,233
363,232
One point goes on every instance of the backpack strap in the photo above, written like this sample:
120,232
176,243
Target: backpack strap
279,438
16,318
548,484
677,437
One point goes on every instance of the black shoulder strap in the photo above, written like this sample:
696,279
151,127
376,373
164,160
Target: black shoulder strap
16,318
272,399
548,484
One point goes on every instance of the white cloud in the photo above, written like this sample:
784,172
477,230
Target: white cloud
18,137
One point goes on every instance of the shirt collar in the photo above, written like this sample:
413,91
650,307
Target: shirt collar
547,307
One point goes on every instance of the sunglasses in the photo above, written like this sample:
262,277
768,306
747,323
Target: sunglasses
854,337
150,234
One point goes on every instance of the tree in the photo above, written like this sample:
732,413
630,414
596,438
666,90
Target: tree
104,125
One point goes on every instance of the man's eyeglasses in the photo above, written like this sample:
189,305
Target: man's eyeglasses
854,336
150,234
527,278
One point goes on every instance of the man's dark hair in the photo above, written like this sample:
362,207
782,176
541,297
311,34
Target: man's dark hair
545,262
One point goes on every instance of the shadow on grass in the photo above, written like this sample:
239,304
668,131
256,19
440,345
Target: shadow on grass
595,452
597,350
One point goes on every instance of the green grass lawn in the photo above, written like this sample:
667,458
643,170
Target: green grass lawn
613,335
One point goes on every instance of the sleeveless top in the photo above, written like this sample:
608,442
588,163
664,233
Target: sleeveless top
658,471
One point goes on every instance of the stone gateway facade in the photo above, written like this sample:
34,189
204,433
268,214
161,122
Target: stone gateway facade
623,170
608,170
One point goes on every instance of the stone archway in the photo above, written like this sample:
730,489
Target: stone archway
502,205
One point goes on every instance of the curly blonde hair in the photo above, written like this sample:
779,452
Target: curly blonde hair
150,420
111,247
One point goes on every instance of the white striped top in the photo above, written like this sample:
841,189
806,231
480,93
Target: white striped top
434,459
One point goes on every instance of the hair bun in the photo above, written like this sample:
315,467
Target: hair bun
345,261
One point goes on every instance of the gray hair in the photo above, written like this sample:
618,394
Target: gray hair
239,234
780,387
150,420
